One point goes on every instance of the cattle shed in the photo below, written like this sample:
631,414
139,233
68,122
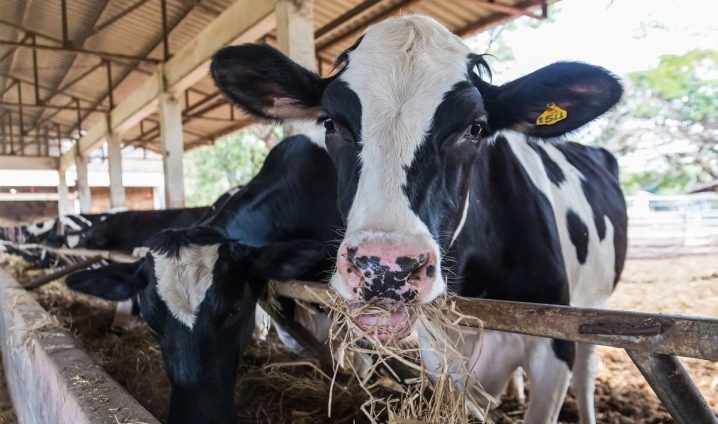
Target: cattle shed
81,75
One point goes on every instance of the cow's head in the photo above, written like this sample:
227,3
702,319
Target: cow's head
38,231
405,118
74,229
198,293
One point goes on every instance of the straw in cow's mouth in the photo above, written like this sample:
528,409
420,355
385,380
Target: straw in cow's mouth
386,333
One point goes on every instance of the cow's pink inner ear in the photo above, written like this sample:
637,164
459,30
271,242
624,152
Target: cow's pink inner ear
285,101
289,108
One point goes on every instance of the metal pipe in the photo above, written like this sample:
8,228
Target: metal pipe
63,8
35,71
79,118
674,387
49,106
45,279
109,84
659,333
22,130
12,143
165,39
104,55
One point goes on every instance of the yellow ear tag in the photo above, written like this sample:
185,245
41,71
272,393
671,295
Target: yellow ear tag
551,115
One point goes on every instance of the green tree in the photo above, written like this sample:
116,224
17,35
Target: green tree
229,162
669,118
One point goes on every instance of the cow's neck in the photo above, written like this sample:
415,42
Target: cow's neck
508,248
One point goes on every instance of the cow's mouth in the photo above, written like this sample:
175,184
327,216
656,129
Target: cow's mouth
382,324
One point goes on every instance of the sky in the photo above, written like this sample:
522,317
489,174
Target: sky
619,35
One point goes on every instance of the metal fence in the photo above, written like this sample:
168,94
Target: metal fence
672,225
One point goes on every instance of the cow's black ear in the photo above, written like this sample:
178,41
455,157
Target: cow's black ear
111,282
266,83
286,260
551,101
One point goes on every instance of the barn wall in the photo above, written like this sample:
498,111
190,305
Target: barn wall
12,213
136,198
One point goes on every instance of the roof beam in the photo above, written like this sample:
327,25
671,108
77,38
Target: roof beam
27,31
28,162
509,10
129,70
355,25
78,42
493,20
104,55
243,21
49,106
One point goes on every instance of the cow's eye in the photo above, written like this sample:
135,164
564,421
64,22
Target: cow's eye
233,315
476,129
328,124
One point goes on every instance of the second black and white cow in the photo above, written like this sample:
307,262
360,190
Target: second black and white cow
198,286
125,231
435,163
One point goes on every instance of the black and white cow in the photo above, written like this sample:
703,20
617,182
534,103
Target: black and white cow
125,231
198,287
52,232
439,169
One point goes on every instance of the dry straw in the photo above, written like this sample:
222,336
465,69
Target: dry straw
430,397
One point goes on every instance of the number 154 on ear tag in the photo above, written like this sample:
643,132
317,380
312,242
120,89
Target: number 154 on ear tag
551,115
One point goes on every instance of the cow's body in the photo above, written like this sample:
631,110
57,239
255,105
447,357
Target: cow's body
125,231
198,286
546,223
435,162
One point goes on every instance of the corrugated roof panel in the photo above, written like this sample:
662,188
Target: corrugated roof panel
138,32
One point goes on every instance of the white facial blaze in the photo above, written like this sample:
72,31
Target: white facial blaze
590,283
41,227
400,71
183,281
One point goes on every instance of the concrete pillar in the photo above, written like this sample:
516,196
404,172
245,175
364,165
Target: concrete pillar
295,37
83,187
172,150
114,158
63,195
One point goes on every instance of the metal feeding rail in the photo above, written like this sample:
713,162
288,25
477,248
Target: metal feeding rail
652,340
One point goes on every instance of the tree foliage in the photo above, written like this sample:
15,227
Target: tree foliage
667,124
229,162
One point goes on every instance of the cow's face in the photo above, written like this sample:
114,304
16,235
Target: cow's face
405,118
40,230
198,294
75,228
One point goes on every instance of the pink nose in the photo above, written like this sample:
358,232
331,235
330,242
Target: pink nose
388,270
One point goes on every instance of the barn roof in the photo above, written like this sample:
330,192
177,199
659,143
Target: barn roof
64,64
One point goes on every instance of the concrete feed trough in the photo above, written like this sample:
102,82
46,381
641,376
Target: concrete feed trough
52,380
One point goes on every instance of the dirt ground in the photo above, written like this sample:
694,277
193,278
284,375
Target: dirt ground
276,387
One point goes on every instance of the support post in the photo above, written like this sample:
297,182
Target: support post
63,9
172,150
673,386
20,115
114,159
36,78
63,195
2,134
295,37
83,187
